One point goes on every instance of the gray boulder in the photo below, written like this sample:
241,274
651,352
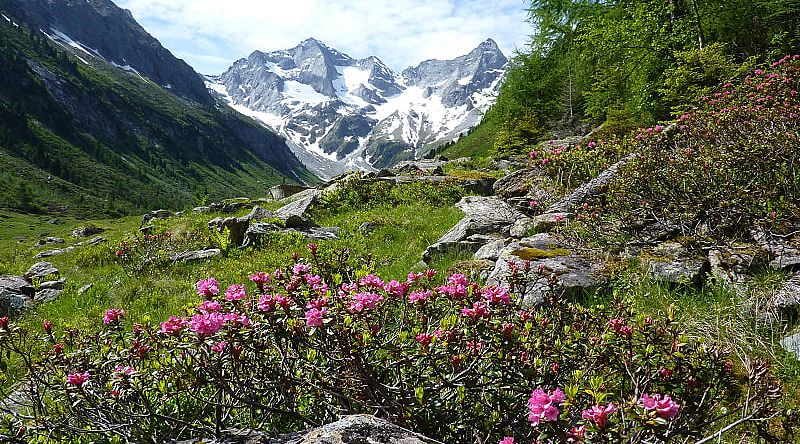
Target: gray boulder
482,216
16,295
521,227
50,240
426,167
553,269
780,248
792,344
491,250
282,191
316,233
41,270
671,262
517,183
785,302
294,214
53,285
236,228
730,265
47,295
156,214
354,429
256,232
86,231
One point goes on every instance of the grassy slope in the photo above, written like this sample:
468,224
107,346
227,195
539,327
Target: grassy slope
478,143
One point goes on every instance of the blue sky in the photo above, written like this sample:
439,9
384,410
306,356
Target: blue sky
211,34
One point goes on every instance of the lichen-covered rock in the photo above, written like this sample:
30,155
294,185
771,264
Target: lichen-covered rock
256,232
294,214
482,215
517,183
671,262
785,302
316,233
553,269
86,231
190,256
780,249
41,270
354,429
792,345
16,295
730,265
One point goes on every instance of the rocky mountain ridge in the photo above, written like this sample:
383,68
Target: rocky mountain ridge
341,113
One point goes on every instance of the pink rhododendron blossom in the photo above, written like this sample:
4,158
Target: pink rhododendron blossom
599,414
260,279
364,301
317,303
507,440
78,379
300,269
209,307
123,371
395,288
419,296
544,405
430,273
314,317
372,281
207,287
413,277
113,315
236,319
425,339
312,247
496,295
206,324
664,407
478,311
508,328
173,325
268,301
219,347
235,292
457,279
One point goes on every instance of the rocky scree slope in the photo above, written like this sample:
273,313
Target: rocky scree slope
340,113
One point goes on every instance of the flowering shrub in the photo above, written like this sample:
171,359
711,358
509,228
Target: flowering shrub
571,165
307,343
723,167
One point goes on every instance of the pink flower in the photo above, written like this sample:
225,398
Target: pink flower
425,339
507,440
123,371
371,280
209,307
312,247
508,328
47,326
314,317
599,414
207,287
626,330
413,277
665,408
419,296
173,325
219,346
260,279
395,288
478,310
457,279
496,295
268,301
301,269
317,303
78,379
544,405
235,292
430,273
113,315
206,324
364,301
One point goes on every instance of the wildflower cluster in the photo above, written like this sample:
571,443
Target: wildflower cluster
442,355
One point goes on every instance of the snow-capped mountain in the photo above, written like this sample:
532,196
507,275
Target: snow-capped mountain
339,113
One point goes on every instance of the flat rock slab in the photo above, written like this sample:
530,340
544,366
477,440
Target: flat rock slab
47,295
86,231
672,263
482,216
354,429
517,183
781,251
554,269
294,214
189,256
49,253
41,270
316,233
51,240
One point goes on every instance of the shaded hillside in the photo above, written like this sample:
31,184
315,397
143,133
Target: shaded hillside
80,135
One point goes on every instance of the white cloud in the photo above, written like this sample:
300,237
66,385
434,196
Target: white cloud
211,34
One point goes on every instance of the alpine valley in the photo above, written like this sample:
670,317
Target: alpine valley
339,113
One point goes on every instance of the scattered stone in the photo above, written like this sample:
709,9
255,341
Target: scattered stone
483,215
316,233
258,213
156,214
368,227
236,227
20,239
517,183
591,188
84,289
50,240
491,251
47,295
283,191
86,231
201,210
354,429
521,227
93,241
189,256
554,269
56,252
672,263
730,265
147,230
41,270
16,295
256,232
792,344
294,214
782,252
425,166
548,221
53,285
384,173
54,222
